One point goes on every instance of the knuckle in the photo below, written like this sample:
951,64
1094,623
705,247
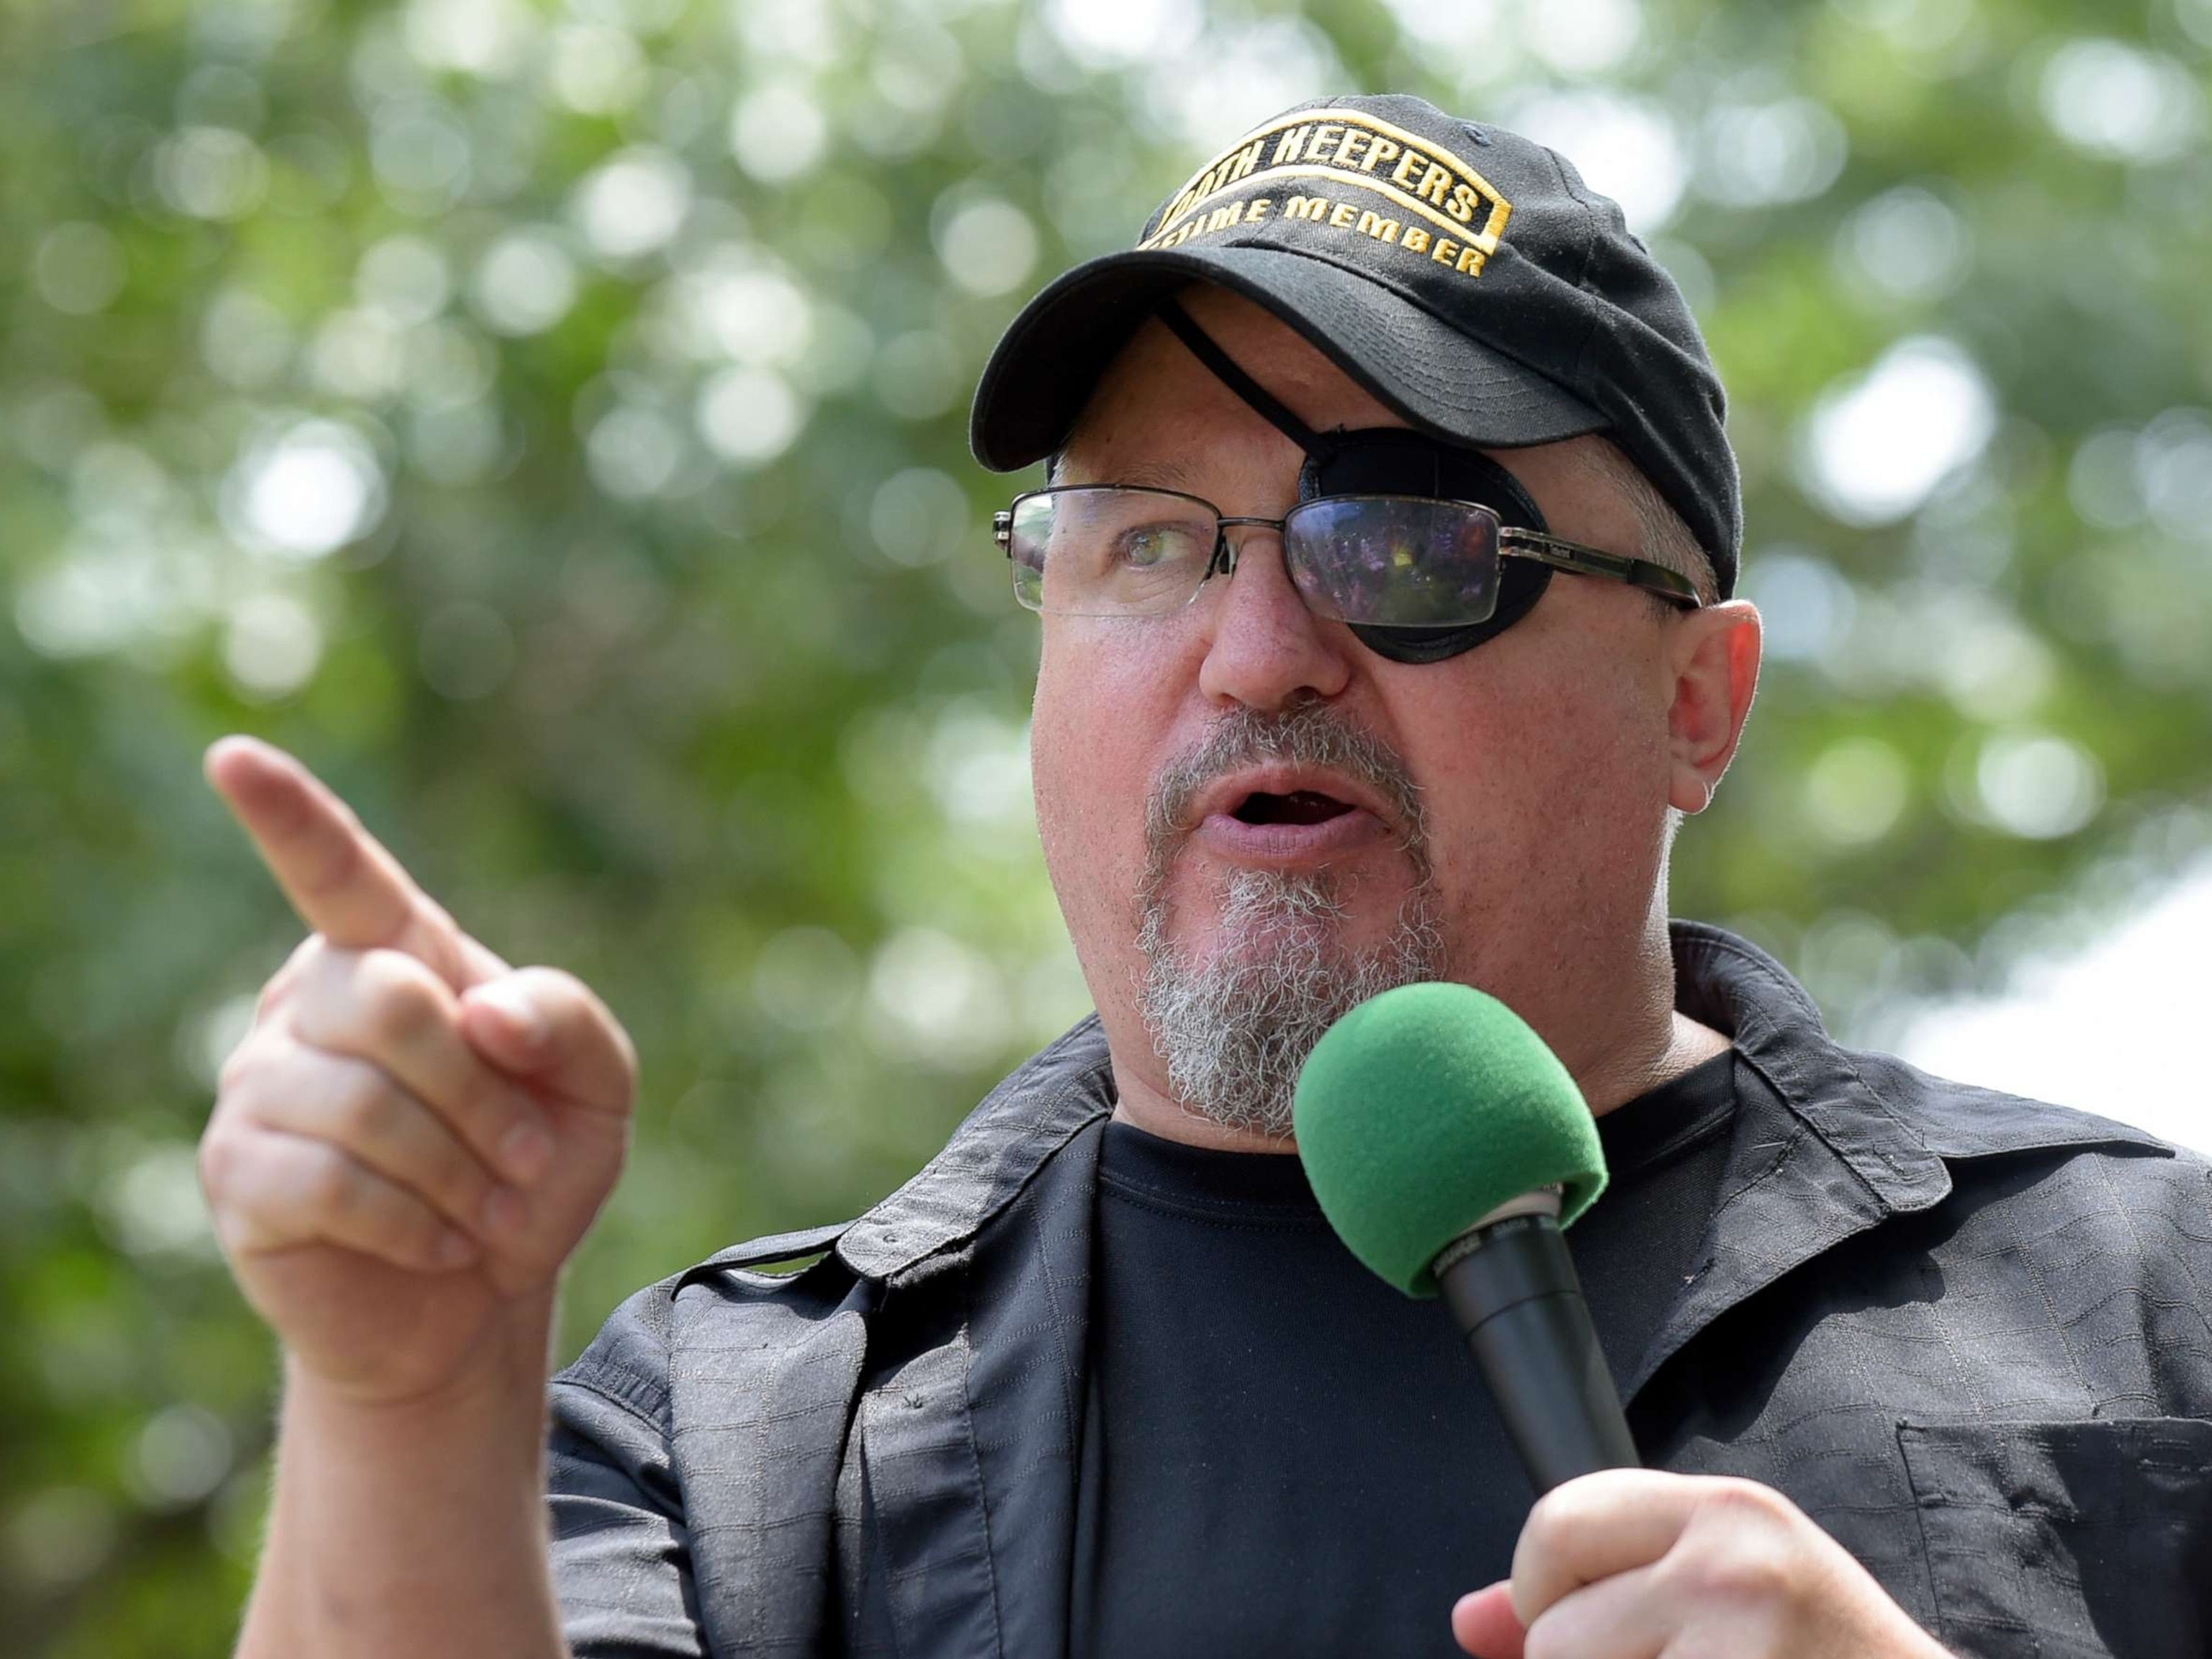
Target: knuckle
231,1079
401,1003
1747,1574
217,1162
555,989
458,1184
573,1006
364,1108
1734,1552
1743,1502
482,1105
328,1185
1551,1519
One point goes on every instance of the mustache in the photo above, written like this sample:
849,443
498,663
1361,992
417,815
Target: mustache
1307,732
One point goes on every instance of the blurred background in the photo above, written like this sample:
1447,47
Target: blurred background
547,420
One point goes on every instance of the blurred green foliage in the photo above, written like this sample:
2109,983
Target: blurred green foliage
548,422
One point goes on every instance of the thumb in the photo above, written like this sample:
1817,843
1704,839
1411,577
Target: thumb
545,1026
1483,1623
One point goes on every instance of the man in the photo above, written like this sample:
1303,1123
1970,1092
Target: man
1384,576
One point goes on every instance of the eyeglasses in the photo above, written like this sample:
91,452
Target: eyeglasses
1375,560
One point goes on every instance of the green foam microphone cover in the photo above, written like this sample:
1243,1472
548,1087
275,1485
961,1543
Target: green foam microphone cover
1424,1109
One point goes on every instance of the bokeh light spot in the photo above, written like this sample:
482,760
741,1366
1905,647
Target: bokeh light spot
917,376
79,268
778,133
1907,244
633,451
1624,147
1580,37
1856,791
919,516
244,339
1807,606
988,246
271,646
596,70
524,284
61,1535
1112,33
750,415
405,277
634,203
487,38
2037,785
305,492
181,1454
1876,446
211,172
2120,101
1754,155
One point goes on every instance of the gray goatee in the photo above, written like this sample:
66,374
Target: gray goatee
1234,1027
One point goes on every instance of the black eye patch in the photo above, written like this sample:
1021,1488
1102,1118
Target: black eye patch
1392,461
1389,461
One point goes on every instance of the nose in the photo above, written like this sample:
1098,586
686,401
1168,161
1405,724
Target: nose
1263,647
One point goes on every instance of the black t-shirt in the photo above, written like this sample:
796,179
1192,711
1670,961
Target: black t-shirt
1281,1454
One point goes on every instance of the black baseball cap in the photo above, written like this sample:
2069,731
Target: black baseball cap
1462,273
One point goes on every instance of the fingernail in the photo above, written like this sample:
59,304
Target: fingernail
525,1153
455,1249
504,1212
521,1014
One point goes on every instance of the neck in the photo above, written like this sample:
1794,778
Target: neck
1156,1113
1624,1076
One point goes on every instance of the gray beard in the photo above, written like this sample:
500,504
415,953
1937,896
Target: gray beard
1234,1028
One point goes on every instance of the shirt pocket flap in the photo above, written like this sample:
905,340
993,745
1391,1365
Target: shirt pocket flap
2066,1540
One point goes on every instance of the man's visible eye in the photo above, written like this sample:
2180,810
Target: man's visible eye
1149,545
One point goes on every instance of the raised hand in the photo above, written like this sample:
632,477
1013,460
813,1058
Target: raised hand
413,1136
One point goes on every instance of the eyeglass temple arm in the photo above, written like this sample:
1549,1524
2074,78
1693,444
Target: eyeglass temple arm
1573,556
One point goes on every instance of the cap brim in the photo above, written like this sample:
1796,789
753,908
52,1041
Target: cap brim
1438,378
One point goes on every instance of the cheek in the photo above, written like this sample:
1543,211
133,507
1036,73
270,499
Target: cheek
1099,720
1548,789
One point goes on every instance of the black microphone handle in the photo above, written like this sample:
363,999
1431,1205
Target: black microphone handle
1512,1287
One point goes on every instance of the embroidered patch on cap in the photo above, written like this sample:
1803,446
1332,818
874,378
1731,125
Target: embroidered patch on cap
1352,173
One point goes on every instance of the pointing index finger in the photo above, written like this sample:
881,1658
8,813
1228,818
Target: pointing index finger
341,882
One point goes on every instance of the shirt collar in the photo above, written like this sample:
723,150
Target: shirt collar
1878,1116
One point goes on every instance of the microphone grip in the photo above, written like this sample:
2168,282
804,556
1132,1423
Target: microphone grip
1512,1287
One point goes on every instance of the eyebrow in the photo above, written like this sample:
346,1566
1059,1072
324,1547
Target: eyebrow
1159,475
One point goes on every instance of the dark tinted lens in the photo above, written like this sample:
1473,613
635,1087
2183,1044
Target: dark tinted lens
1395,560
1109,551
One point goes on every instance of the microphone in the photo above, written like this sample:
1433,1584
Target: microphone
1450,1149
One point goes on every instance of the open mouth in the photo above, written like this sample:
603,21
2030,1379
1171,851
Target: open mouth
1299,806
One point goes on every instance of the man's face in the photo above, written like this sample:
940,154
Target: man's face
1323,821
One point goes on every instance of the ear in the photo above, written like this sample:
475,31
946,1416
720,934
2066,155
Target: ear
1713,661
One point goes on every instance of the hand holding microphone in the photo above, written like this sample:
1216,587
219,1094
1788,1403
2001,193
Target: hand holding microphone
1449,1147
1630,1563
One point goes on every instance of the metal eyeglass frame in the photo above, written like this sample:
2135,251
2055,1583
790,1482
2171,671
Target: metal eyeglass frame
1513,542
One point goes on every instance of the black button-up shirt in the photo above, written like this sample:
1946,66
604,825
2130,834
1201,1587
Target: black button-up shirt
1966,1333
